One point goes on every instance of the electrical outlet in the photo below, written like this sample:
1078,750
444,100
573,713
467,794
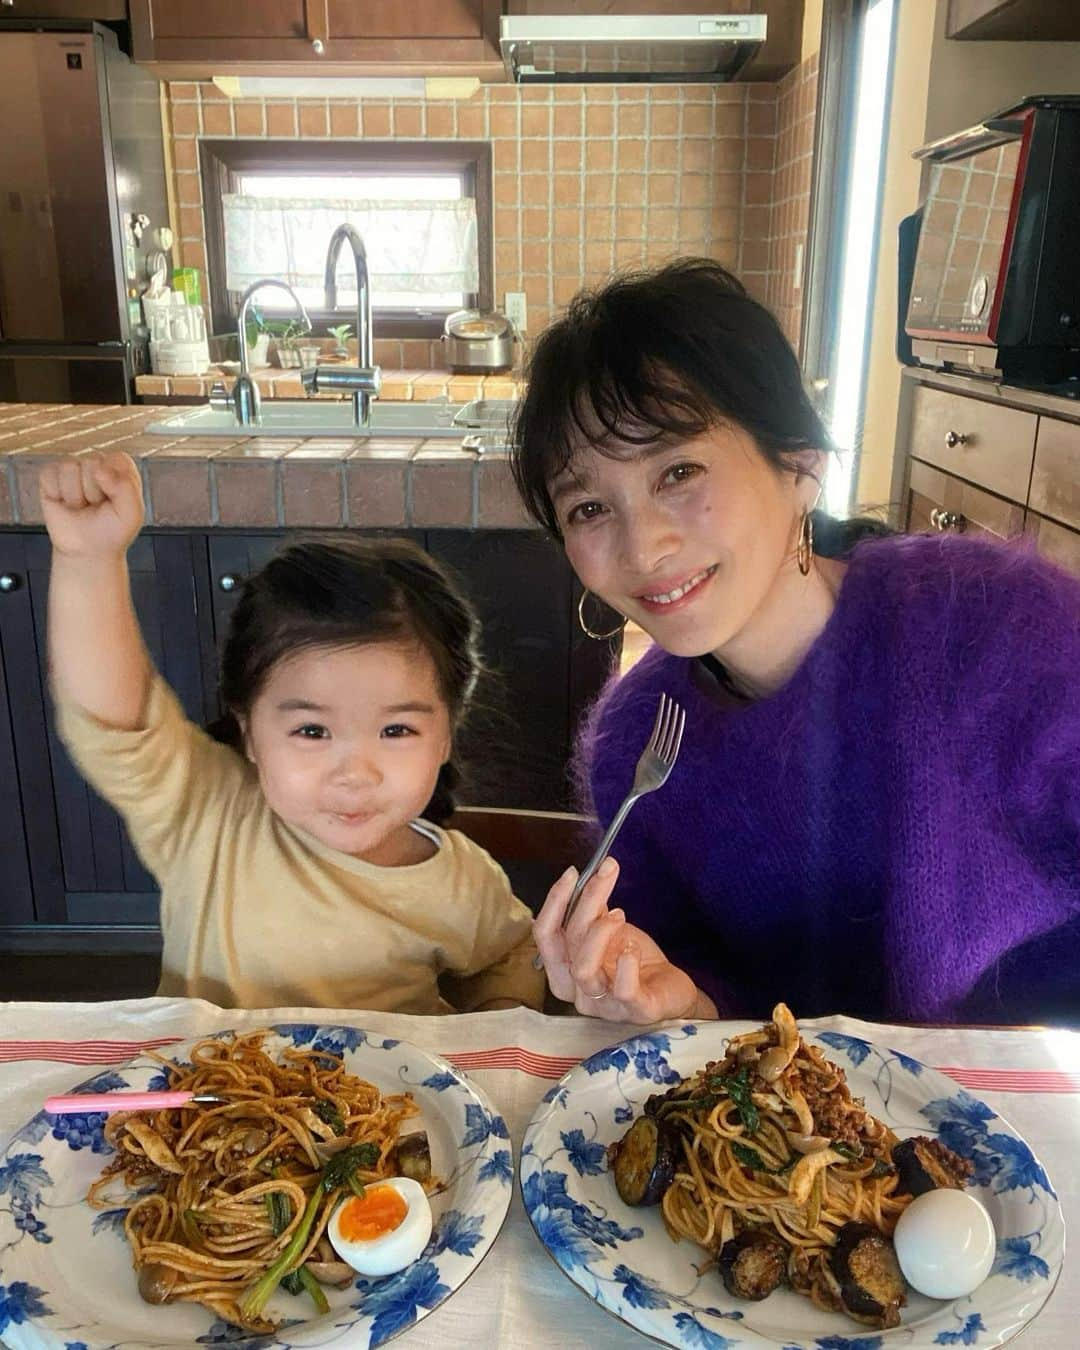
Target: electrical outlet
514,302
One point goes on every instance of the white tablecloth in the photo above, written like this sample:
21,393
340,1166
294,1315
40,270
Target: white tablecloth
518,1297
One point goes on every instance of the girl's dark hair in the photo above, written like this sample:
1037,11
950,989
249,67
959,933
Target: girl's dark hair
661,354
343,592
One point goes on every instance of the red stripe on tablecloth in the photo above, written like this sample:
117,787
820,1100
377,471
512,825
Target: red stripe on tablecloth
515,1057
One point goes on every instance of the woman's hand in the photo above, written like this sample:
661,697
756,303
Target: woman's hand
92,504
605,966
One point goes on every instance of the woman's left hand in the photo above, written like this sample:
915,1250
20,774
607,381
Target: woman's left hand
605,966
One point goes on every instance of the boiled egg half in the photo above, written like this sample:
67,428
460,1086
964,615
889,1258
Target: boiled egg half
945,1243
385,1229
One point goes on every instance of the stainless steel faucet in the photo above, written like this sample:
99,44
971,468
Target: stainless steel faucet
365,377
246,399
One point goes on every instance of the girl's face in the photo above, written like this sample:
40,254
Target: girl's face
687,539
348,743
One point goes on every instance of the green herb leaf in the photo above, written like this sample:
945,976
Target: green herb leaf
737,1087
330,1115
750,1157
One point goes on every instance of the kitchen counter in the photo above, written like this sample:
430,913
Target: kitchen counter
1005,395
397,385
257,482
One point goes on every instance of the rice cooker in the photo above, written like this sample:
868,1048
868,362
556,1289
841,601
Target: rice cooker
478,343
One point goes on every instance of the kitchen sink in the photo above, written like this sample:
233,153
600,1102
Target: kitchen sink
294,418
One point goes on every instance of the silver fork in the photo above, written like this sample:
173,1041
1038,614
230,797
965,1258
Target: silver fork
653,767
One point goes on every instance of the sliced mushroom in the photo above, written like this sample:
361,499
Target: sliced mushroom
773,1063
808,1143
334,1273
805,1170
752,1264
319,1128
777,1058
254,1141
872,1288
152,1144
156,1282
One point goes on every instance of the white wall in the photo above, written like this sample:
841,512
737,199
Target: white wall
971,80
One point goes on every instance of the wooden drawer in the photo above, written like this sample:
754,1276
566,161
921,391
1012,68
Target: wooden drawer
1055,479
940,501
1055,542
986,444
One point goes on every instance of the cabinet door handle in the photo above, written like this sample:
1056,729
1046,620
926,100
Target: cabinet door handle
951,520
317,24
228,581
955,438
9,581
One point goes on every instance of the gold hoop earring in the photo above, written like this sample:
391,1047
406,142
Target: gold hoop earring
599,637
804,549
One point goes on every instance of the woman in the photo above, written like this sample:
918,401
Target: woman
876,809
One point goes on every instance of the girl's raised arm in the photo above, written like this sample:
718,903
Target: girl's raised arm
93,509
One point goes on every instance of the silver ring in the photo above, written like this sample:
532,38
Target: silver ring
606,993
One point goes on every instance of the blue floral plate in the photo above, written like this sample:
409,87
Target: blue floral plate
624,1260
66,1280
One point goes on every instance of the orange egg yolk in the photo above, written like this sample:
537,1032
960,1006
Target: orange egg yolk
377,1212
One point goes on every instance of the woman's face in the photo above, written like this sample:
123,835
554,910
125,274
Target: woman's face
688,539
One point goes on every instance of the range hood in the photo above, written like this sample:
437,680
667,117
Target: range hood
655,49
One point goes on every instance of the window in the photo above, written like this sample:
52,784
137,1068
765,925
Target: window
424,212
855,91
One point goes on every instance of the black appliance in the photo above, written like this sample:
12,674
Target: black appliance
82,196
995,287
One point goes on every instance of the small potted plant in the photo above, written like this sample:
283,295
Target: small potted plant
341,333
257,335
286,334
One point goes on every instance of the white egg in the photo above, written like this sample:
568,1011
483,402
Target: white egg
384,1230
945,1243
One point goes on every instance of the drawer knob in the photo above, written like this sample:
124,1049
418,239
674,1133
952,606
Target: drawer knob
228,582
9,581
951,520
955,438
318,46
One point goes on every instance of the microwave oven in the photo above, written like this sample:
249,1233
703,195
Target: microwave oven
994,289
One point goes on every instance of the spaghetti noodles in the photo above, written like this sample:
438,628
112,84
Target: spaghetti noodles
218,1196
770,1142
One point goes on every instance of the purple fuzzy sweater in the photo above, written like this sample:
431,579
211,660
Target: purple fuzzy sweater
896,832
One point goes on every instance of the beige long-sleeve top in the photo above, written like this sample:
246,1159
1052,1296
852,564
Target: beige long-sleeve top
258,914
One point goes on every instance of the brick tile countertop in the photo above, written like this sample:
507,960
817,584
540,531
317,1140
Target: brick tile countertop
253,481
398,386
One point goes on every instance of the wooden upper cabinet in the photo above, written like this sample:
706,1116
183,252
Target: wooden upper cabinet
196,38
1014,20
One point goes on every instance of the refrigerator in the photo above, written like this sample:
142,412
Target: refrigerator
82,201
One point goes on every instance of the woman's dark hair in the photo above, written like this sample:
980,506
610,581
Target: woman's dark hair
344,592
660,354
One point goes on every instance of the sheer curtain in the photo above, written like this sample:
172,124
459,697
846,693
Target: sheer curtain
429,247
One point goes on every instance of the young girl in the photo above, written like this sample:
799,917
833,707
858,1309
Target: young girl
297,869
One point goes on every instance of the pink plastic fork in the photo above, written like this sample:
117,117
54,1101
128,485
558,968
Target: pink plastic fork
79,1103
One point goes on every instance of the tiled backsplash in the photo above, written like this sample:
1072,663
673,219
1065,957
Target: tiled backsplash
795,106
587,179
